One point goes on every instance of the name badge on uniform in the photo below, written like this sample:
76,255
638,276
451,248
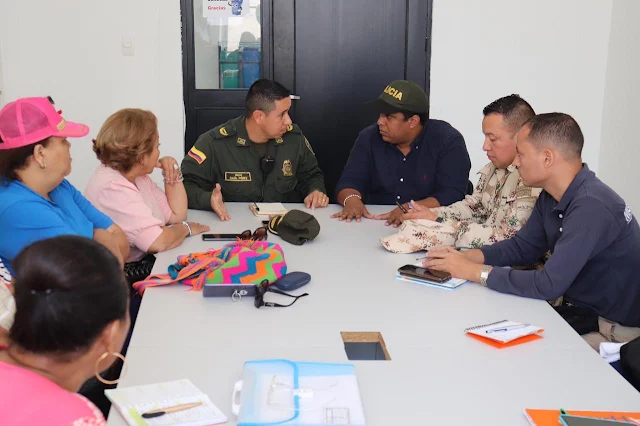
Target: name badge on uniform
237,176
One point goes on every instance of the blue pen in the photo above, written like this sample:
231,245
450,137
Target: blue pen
512,327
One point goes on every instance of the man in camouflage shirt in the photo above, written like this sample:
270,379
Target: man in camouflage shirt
500,205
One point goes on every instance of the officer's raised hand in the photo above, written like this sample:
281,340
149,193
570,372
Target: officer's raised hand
217,204
354,208
316,199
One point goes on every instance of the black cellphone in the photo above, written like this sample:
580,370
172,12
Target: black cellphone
220,237
424,273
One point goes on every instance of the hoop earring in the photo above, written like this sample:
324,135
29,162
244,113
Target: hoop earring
44,165
123,372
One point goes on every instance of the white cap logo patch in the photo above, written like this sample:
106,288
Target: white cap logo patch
628,214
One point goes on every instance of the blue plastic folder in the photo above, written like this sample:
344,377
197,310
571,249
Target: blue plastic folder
282,392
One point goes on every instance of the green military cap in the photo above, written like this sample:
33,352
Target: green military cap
401,95
295,227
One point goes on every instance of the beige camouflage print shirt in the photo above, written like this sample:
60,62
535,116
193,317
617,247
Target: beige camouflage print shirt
499,206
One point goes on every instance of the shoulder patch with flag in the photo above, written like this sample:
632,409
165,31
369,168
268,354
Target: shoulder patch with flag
197,155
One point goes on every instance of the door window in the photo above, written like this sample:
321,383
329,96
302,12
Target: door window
227,43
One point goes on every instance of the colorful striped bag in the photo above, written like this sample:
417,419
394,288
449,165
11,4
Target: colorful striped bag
241,262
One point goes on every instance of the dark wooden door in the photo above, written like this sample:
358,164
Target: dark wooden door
214,61
336,55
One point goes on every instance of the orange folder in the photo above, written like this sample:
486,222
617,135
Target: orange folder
539,417
500,345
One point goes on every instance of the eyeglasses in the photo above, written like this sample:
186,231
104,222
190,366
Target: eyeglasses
258,235
263,288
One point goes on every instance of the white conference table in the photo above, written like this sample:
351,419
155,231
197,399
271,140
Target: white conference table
436,376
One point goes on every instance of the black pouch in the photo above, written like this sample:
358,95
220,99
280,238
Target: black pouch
140,269
582,320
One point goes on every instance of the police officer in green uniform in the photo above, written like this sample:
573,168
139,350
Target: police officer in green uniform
260,156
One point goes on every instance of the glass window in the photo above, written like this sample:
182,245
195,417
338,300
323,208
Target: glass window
227,43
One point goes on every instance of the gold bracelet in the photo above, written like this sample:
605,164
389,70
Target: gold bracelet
344,203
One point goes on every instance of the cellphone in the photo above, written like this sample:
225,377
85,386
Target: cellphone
402,207
569,420
220,237
424,273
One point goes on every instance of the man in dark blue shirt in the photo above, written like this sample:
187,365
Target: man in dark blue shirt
403,157
591,232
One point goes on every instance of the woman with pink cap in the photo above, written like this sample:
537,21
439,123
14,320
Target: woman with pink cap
37,201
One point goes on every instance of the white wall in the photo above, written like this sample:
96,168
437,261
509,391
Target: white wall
1,81
620,148
551,52
71,51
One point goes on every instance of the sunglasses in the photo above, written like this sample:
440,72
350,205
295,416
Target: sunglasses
258,235
264,288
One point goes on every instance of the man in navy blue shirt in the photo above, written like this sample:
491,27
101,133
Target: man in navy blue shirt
591,232
404,156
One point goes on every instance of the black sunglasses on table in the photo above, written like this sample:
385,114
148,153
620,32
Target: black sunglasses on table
264,287
258,235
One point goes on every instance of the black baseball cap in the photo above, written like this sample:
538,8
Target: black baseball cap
399,96
296,227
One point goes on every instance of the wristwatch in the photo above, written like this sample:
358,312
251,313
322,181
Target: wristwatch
484,275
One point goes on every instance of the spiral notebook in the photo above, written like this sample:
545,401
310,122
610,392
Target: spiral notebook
267,209
505,333
132,402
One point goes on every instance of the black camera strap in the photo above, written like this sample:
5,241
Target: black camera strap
259,298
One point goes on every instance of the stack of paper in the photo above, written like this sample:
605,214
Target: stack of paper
267,209
504,333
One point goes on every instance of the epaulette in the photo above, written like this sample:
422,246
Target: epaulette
293,128
223,131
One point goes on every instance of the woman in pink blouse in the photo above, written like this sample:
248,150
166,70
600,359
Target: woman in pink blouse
71,320
128,148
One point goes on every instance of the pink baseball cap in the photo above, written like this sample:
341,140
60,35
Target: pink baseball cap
30,120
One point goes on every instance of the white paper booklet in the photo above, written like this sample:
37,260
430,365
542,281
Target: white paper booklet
134,401
267,209
504,331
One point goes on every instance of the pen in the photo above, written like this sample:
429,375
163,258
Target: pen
509,328
401,207
163,411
